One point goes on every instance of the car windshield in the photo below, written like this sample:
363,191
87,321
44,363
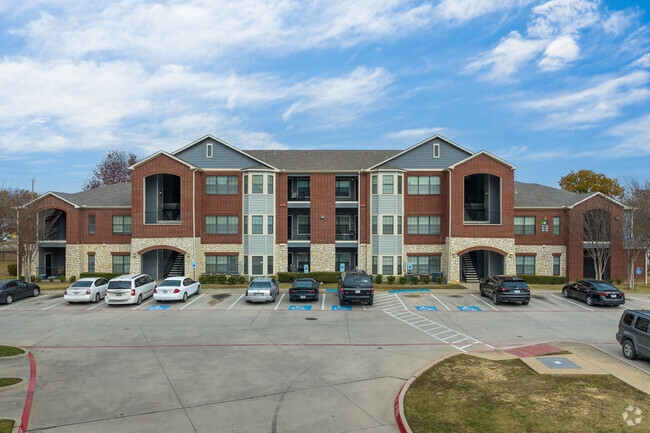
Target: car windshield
303,285
170,283
119,285
82,284
260,285
357,281
604,286
515,285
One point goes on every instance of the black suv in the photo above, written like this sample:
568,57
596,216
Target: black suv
633,333
355,286
505,288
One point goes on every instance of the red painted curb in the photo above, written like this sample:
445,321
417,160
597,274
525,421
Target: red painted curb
30,395
398,415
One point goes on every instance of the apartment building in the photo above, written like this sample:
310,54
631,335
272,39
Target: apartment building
434,208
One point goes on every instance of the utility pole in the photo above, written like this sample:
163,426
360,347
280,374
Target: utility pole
32,185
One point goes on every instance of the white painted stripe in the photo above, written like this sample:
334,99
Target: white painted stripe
58,303
539,308
476,297
143,304
451,336
434,297
95,306
191,302
276,307
572,303
400,301
637,299
234,303
322,305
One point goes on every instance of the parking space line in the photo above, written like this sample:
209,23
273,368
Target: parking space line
97,305
539,308
639,300
237,300
400,301
571,302
191,302
13,304
484,302
58,303
322,305
143,304
278,304
442,303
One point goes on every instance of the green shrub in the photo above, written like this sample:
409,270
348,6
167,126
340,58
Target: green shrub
73,279
440,280
618,281
241,279
403,279
324,277
543,279
390,279
426,279
107,275
233,279
284,277
221,279
610,280
35,279
379,278
62,278
21,278
203,279
50,279
415,279
12,269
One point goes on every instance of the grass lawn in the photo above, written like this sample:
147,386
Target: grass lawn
6,381
10,351
468,394
6,425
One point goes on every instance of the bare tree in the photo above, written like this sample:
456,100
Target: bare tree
637,224
597,237
114,168
10,198
32,227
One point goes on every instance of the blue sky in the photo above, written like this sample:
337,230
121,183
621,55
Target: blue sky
550,86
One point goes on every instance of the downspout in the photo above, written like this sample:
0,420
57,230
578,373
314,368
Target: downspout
194,221
449,229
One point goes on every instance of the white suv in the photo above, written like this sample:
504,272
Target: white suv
129,289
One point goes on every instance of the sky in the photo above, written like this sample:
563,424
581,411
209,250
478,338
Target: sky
549,86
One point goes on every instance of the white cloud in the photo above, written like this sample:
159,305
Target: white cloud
643,62
508,56
558,53
591,105
563,17
464,10
421,133
634,137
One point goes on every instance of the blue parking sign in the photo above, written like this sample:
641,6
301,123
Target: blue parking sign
639,270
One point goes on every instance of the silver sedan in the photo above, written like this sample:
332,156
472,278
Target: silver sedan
262,290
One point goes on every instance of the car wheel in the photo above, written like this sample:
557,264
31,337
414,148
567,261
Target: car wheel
198,289
341,301
525,302
185,297
482,292
590,300
370,301
139,301
9,299
248,301
273,299
495,299
565,292
35,292
96,297
628,350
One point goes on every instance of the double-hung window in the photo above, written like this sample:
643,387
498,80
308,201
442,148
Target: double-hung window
556,225
374,184
525,265
388,228
556,265
423,225
524,225
374,224
388,184
221,264
222,224
221,184
257,224
91,224
121,264
387,265
423,185
121,224
258,184
270,224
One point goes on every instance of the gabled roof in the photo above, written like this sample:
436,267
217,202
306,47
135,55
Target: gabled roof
156,155
111,196
486,153
420,144
322,160
535,196
195,142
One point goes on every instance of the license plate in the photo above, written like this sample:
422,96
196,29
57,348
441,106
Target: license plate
516,291
612,296
118,294
303,297
258,294
357,291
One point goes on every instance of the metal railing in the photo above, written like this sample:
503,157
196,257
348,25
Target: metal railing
299,196
482,216
52,271
295,236
346,235
163,216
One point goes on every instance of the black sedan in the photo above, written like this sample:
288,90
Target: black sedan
10,290
505,288
304,288
594,292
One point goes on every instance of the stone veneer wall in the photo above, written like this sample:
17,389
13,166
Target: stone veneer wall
201,249
281,258
459,244
544,257
363,257
76,257
322,257
427,249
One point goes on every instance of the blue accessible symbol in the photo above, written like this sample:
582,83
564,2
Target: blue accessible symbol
470,308
426,308
300,307
159,307
341,308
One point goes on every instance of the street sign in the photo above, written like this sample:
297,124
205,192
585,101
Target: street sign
194,264
342,267
639,270
306,269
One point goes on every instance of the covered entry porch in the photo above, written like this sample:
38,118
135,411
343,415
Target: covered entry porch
160,263
480,263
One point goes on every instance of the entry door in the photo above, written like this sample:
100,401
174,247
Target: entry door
48,264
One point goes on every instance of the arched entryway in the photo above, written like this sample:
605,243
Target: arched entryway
160,263
480,263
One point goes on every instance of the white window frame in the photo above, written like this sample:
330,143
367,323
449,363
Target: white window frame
209,150
436,150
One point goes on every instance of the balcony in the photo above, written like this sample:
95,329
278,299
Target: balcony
298,235
346,189
298,189
482,199
162,202
346,234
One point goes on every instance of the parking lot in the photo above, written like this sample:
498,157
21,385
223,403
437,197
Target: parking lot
216,363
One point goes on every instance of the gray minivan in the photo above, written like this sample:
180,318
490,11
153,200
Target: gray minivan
633,333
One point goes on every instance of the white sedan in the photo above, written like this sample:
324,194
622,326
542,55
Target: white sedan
86,290
176,289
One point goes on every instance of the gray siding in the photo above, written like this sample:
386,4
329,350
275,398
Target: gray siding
222,156
256,204
270,204
269,245
256,245
390,245
388,205
375,245
422,156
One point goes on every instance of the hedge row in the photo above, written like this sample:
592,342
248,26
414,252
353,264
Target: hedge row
222,279
107,275
323,277
12,269
543,279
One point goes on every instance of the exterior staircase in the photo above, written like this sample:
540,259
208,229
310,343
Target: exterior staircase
177,268
469,270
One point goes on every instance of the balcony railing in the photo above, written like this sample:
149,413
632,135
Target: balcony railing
482,216
346,235
51,271
299,196
294,235
164,216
